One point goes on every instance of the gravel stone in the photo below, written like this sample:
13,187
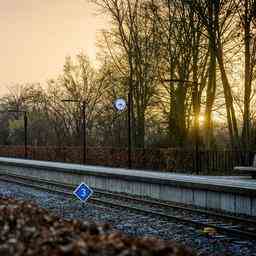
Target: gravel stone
132,223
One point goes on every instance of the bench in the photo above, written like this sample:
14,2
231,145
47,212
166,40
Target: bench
248,169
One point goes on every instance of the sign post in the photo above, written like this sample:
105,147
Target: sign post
120,105
83,192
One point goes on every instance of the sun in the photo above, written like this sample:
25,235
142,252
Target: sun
201,119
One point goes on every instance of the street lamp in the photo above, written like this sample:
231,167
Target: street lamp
129,130
84,126
25,118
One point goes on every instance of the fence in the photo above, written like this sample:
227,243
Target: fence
164,159
226,160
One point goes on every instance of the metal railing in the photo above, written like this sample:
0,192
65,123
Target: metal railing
162,159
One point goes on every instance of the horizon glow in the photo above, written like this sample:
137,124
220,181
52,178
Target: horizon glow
37,36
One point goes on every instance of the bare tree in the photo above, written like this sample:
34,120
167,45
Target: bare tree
247,14
135,32
217,17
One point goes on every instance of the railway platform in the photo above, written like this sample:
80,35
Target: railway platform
233,194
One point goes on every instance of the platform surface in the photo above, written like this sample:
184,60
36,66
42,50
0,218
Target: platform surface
239,182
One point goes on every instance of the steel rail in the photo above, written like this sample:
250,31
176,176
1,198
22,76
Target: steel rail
226,230
144,200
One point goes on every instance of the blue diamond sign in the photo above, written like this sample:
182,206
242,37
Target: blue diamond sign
83,192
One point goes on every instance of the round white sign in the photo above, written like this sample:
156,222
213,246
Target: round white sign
120,104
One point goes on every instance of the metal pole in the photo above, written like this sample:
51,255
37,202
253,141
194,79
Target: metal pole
129,131
199,167
25,133
197,151
197,124
84,134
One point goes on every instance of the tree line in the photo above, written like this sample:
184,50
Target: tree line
189,67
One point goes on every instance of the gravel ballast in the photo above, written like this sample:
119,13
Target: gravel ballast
132,224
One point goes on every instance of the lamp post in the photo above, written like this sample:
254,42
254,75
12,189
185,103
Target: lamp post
84,132
83,126
25,133
25,120
129,131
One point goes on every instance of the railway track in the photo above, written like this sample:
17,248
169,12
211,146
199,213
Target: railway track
222,223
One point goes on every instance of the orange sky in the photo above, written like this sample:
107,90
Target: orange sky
36,35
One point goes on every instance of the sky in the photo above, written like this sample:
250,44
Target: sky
37,35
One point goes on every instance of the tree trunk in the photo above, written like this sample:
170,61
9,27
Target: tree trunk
231,117
211,87
141,130
180,115
247,81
